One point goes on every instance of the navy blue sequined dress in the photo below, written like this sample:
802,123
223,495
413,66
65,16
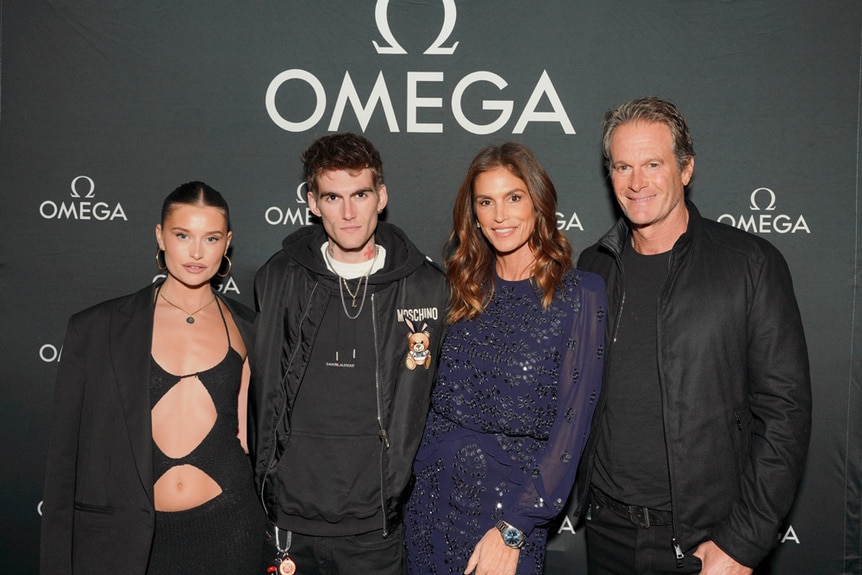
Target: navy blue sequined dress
509,418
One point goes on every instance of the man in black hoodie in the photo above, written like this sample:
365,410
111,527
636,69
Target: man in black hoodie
350,322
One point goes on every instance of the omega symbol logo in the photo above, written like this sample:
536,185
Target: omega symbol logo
763,200
301,216
381,16
423,109
83,191
769,193
90,192
301,193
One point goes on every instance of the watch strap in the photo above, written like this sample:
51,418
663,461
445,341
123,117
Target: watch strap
512,536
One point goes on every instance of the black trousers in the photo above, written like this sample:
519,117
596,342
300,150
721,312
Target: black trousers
620,542
367,553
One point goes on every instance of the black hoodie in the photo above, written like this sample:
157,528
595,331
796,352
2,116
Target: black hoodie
292,292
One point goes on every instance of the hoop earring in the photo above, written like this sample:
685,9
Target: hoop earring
229,267
159,264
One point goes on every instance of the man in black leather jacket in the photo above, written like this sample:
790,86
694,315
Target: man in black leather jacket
350,322
701,433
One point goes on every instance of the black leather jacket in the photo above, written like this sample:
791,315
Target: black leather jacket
736,393
292,291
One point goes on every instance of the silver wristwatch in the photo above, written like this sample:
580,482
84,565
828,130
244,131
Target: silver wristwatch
512,536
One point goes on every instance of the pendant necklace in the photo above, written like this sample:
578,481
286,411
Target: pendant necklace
353,295
190,319
343,282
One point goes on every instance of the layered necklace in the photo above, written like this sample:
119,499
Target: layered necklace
191,316
343,285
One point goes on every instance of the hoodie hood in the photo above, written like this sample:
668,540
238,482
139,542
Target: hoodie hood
402,256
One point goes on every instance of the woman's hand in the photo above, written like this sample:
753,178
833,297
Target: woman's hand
492,557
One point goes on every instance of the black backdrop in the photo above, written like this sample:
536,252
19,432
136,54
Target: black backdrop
107,105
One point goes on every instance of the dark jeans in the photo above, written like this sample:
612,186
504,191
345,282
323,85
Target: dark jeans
367,553
621,543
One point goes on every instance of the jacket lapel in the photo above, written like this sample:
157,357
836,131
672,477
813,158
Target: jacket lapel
130,350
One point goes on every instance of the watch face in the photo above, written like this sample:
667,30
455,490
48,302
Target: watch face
512,537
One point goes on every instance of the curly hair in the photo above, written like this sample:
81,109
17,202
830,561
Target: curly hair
470,257
347,151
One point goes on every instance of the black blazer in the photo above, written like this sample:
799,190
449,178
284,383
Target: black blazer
98,512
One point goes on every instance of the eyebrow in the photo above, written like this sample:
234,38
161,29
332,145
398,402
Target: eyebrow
649,160
333,193
182,229
506,193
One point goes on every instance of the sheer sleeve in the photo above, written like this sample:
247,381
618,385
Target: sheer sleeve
543,496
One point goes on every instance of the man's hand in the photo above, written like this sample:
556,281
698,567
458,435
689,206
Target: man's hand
492,557
717,562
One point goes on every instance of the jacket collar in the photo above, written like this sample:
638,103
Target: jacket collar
620,233
402,256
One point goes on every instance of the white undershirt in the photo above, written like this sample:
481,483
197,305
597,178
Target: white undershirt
353,271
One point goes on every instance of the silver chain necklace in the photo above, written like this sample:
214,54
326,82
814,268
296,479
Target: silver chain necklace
353,296
342,284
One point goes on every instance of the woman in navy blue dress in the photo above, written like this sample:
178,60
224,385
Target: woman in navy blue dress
519,376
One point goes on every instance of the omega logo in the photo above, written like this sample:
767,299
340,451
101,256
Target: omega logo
380,96
423,92
223,285
573,222
763,222
275,216
770,194
790,535
49,353
381,16
301,192
567,525
83,190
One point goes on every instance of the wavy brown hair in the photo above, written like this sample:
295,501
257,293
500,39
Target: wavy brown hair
347,151
470,257
650,109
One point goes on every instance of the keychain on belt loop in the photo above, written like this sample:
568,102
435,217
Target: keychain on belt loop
286,566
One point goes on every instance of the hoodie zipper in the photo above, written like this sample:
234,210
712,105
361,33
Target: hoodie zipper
384,438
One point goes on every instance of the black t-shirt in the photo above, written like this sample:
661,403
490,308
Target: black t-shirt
631,457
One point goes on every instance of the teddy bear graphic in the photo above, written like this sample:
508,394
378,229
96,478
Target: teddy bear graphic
418,347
